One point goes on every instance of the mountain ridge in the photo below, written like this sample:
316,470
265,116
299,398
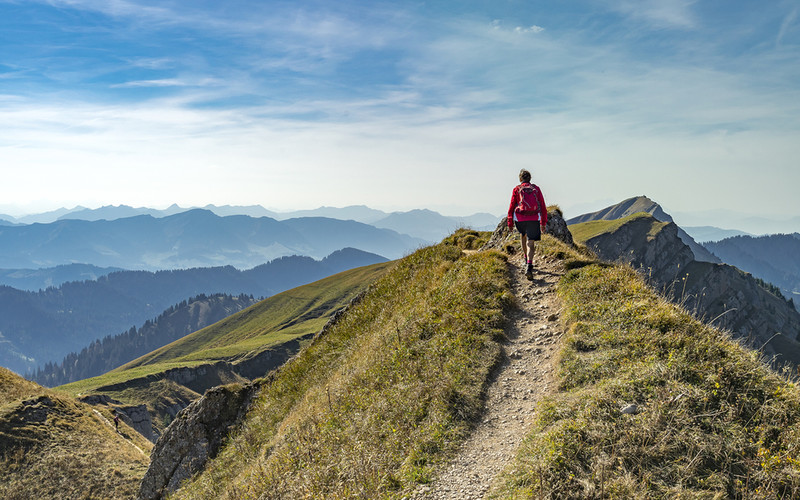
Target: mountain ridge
644,204
197,238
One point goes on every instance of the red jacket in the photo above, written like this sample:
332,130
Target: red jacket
513,207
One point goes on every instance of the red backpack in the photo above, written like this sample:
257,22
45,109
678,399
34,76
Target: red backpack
528,199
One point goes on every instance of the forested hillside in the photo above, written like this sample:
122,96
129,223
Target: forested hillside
44,326
112,351
774,258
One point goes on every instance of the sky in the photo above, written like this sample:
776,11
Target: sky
399,105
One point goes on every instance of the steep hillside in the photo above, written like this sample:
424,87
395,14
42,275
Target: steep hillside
774,258
624,209
241,347
52,446
720,293
652,403
644,204
375,401
44,326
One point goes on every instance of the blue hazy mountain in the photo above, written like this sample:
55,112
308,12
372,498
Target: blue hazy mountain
195,238
774,258
424,224
749,222
36,279
702,234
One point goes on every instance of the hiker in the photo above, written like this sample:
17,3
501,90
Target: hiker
116,420
528,212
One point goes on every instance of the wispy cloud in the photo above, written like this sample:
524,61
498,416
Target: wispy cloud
787,24
658,13
173,82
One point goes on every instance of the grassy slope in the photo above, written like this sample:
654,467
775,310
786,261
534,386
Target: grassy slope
271,322
368,409
70,454
713,420
585,231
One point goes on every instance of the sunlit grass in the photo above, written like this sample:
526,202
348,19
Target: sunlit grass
54,447
713,421
373,405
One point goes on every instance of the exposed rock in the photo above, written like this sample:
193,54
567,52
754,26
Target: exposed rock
556,227
644,204
194,437
135,416
139,419
630,409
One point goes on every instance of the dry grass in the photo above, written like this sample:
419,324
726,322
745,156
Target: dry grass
369,408
54,447
713,421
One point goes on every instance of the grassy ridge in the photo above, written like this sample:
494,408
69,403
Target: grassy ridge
52,446
271,322
371,406
587,230
712,420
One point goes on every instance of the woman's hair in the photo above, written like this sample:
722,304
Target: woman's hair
524,176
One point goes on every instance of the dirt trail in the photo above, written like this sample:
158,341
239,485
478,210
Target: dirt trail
106,421
525,375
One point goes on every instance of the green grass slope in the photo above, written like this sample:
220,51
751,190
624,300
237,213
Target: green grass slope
52,446
711,420
585,231
369,408
271,322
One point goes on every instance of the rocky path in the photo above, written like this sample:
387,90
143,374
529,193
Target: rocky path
524,377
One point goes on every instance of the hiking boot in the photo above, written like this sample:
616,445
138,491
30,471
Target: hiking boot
529,272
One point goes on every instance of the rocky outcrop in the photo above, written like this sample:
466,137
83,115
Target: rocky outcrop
136,416
646,244
139,419
198,432
643,204
556,227
194,437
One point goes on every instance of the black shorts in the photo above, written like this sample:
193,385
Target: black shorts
529,228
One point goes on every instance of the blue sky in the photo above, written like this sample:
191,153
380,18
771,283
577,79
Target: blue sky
399,105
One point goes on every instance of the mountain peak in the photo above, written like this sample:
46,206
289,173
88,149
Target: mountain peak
625,208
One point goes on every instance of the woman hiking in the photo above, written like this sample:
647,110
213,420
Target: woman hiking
528,212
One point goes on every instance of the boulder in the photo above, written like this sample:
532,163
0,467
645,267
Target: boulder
195,436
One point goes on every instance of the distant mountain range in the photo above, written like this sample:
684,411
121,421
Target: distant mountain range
39,279
748,222
702,234
42,326
424,224
197,238
774,258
